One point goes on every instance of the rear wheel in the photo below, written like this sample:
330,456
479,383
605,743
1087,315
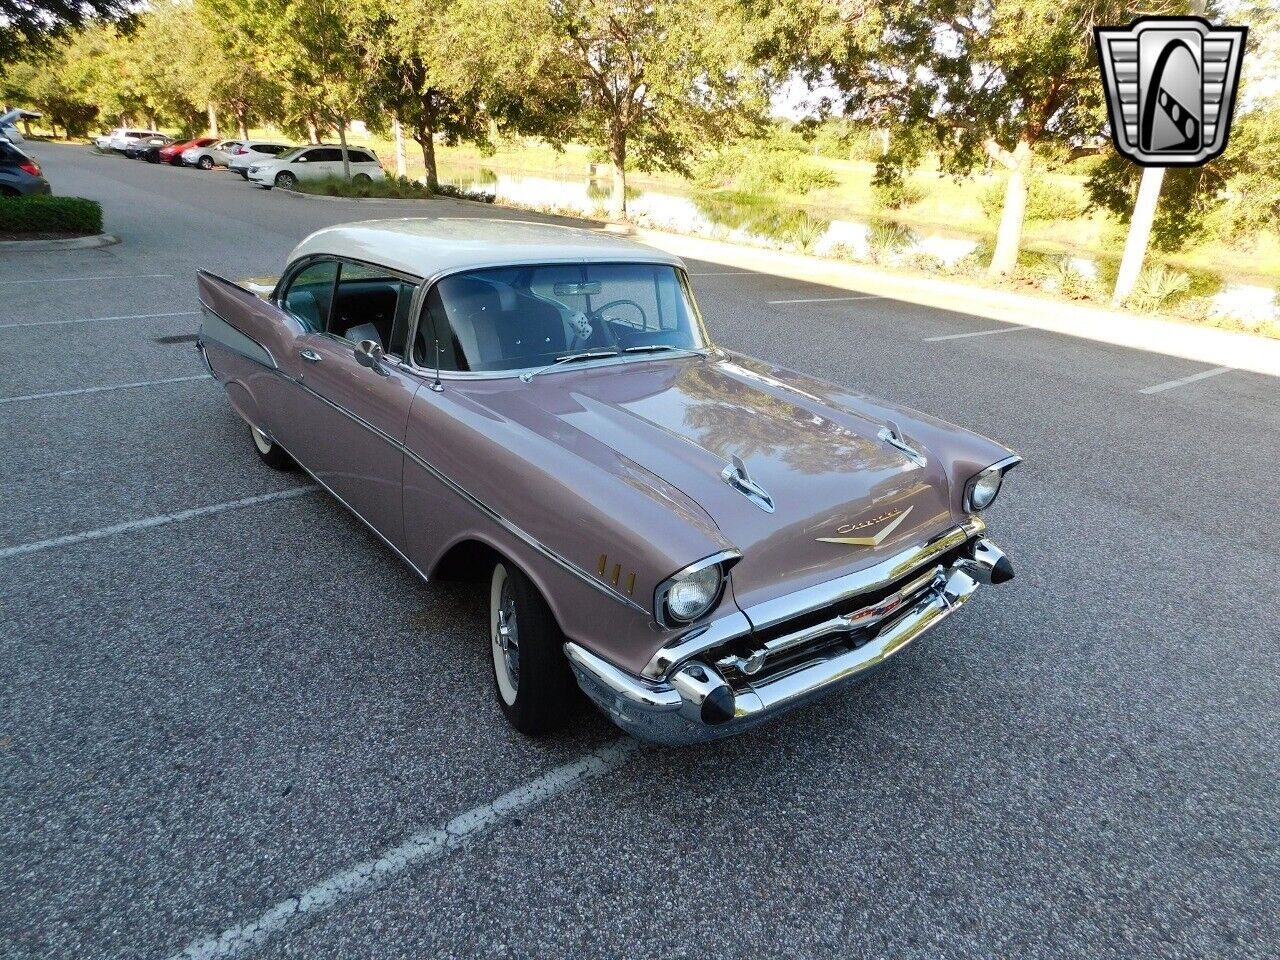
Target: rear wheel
362,178
535,687
205,163
272,453
286,180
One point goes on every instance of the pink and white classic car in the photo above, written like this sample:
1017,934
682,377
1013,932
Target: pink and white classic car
697,539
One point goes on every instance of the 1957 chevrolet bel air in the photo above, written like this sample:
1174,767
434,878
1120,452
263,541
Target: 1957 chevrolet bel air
699,539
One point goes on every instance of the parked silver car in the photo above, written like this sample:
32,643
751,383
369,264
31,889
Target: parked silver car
213,155
254,151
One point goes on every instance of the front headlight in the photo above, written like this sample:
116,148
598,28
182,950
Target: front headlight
694,591
981,491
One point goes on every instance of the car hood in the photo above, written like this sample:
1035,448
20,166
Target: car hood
843,498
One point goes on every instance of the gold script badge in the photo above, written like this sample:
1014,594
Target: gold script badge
897,516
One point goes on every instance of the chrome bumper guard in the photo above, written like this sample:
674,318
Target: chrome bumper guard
726,691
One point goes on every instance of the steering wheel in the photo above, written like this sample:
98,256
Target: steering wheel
598,312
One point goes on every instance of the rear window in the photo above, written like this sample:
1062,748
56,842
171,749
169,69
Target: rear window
359,156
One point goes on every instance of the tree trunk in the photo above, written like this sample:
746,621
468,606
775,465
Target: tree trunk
242,126
618,161
313,134
1135,246
342,139
1009,236
397,131
151,122
26,128
213,120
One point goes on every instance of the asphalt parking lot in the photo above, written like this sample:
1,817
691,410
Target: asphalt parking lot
231,722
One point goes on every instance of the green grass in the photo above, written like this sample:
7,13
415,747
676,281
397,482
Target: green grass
46,214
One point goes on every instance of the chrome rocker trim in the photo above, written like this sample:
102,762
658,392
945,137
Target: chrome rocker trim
700,701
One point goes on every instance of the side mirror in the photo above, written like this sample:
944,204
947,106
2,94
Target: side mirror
369,353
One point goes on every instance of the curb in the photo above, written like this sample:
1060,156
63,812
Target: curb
70,243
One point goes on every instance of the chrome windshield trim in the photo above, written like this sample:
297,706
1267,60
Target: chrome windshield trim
516,531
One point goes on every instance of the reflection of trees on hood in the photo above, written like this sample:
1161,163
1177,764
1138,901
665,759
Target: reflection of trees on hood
731,417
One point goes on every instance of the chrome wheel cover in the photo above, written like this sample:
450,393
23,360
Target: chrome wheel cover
505,635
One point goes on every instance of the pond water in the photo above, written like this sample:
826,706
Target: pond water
761,222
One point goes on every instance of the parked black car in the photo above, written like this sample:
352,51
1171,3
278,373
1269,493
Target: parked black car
147,149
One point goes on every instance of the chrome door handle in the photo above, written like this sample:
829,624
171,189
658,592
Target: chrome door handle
311,356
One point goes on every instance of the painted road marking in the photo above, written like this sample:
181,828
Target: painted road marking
118,386
1203,375
976,333
430,844
864,296
148,522
131,316
138,276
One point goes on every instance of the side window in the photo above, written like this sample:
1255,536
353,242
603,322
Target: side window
310,156
359,156
371,304
325,155
311,294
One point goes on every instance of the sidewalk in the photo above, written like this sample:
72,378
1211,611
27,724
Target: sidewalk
1218,348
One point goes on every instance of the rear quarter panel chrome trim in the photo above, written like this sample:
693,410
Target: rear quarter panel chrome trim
215,330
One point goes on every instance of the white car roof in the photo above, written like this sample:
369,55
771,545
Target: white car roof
429,247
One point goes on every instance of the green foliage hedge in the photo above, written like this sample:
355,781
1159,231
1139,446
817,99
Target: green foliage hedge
763,170
392,188
1045,201
46,214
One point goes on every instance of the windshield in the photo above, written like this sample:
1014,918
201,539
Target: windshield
290,154
513,318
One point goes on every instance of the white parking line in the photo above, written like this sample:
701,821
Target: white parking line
976,333
117,386
136,276
131,316
428,845
864,296
1202,375
147,522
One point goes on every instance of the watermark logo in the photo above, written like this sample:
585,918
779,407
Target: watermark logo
1171,86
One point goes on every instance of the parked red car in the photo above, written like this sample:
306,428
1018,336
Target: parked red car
172,154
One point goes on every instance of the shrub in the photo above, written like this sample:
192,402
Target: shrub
47,214
1061,277
896,194
886,240
392,188
1157,287
1045,201
762,170
807,231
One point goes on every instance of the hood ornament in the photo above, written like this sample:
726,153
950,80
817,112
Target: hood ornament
736,475
879,538
891,435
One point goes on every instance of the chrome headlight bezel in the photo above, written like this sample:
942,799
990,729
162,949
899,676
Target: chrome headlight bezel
996,471
719,562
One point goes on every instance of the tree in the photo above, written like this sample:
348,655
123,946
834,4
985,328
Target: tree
234,79
647,81
307,51
416,70
991,80
34,26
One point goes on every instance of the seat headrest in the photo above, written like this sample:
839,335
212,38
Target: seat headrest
364,331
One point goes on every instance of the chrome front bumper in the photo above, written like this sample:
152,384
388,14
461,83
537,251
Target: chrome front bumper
743,681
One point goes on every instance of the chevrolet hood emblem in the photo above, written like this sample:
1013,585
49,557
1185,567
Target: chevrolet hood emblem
874,541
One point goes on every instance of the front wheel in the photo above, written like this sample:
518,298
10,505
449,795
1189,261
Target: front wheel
205,163
535,687
272,453
286,180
